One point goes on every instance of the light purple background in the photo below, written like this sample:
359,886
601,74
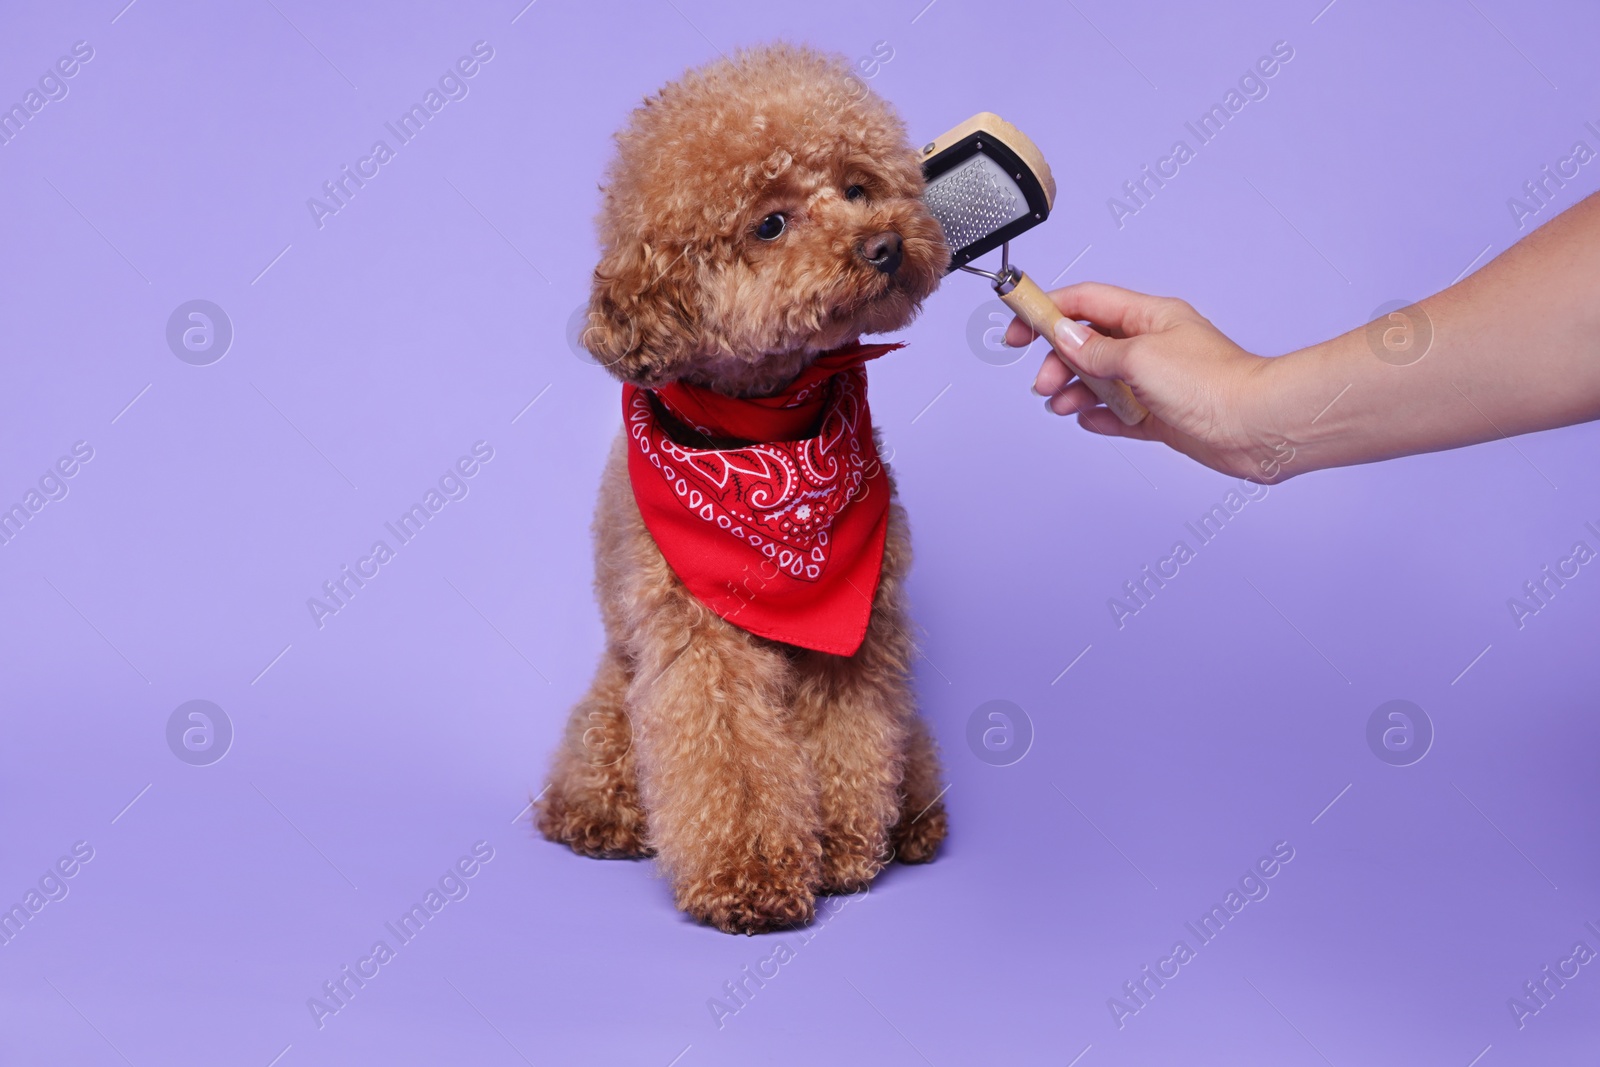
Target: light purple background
431,311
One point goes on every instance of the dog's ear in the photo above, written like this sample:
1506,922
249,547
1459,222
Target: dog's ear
642,312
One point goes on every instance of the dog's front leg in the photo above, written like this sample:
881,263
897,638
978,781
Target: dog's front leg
857,719
590,801
851,715
730,797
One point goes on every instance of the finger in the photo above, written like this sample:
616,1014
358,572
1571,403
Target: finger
1124,311
1053,375
1109,331
1105,422
1074,399
1020,334
1092,352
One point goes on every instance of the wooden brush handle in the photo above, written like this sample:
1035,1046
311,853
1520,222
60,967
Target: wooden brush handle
1039,311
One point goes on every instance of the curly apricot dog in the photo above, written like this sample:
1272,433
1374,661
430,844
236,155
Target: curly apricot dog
752,721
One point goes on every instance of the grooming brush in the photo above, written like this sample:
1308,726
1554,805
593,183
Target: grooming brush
987,183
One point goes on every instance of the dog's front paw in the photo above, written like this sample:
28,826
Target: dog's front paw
604,831
918,841
850,862
754,896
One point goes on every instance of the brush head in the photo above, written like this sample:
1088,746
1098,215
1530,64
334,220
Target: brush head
986,183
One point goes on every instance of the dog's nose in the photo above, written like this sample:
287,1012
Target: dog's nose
883,250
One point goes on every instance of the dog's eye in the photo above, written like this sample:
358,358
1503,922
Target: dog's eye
769,228
855,192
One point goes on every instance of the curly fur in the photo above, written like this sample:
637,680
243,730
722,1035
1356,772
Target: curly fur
758,773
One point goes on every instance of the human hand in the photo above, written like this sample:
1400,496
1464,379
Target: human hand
1203,391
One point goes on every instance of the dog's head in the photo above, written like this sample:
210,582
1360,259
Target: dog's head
759,211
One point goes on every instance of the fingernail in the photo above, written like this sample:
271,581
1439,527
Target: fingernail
1071,335
1034,389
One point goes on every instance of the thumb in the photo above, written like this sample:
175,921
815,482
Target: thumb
1091,352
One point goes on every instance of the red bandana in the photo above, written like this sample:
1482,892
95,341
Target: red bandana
783,538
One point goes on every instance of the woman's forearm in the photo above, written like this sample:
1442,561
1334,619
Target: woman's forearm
1513,348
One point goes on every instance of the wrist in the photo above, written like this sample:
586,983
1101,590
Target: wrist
1305,410
1261,439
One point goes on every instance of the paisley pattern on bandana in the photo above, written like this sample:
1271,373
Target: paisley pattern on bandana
783,537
